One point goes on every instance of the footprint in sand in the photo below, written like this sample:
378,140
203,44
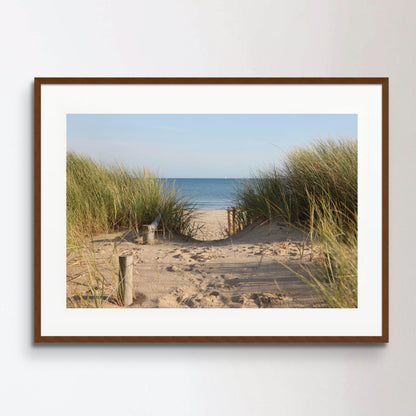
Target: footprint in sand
174,268
179,268
261,300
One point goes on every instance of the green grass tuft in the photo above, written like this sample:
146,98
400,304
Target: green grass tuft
103,198
315,189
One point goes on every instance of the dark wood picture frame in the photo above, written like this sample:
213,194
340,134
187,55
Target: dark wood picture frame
39,338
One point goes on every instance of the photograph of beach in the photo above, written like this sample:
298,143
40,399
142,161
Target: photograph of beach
211,211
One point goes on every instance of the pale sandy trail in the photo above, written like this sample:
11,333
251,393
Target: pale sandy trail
245,270
214,225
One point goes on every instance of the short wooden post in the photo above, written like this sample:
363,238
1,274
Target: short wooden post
126,280
149,231
234,222
149,234
229,221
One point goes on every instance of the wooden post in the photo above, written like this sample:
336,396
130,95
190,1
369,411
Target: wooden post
229,221
149,234
234,222
149,231
126,280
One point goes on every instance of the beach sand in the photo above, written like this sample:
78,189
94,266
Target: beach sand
213,223
247,270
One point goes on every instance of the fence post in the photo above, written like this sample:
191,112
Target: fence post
149,231
126,279
229,221
149,234
234,222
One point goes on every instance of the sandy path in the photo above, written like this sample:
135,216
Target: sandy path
247,270
214,225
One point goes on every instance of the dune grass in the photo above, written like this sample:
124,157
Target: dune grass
103,198
314,189
93,279
325,170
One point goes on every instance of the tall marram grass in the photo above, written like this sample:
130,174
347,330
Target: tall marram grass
315,189
323,170
103,198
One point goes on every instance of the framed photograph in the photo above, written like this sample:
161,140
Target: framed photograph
211,210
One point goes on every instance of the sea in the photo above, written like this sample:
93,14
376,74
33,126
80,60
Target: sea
207,193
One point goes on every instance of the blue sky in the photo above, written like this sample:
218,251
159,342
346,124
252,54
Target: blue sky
200,145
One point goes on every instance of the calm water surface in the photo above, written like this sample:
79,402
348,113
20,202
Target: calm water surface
207,194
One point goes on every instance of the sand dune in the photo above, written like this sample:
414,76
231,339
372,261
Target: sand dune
248,270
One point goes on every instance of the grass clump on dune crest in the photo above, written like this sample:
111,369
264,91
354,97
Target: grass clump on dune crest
315,189
103,198
326,170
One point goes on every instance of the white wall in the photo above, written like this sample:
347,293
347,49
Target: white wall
204,38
